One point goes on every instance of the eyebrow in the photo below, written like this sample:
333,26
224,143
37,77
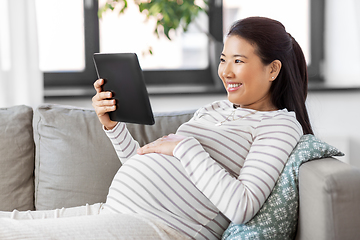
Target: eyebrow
235,55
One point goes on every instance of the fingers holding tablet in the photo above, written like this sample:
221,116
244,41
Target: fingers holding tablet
98,85
103,104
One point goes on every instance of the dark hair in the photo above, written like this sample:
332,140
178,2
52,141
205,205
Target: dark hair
272,42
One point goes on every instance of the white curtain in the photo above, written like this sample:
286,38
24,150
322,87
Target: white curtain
21,81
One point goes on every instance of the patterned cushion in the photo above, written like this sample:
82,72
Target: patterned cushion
277,219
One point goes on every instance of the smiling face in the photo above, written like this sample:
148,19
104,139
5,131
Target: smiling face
246,79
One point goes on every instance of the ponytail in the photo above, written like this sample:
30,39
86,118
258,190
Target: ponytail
302,76
289,89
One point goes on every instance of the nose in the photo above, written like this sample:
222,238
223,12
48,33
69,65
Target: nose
226,70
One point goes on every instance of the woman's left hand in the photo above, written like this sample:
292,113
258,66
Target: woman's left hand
164,145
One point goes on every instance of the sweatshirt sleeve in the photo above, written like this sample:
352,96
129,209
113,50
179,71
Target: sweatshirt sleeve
124,144
239,199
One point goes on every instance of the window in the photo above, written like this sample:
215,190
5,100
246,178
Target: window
185,51
68,37
181,62
302,18
295,16
68,41
61,36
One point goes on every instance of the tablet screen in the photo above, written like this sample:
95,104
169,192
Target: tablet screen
124,77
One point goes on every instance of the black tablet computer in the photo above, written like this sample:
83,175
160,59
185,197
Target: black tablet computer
124,77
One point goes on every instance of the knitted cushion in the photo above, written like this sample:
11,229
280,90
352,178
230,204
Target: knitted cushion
277,219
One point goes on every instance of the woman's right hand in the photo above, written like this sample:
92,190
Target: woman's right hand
103,105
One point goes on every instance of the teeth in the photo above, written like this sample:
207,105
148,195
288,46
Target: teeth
234,85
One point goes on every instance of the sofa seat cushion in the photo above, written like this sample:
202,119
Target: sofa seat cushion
75,161
16,159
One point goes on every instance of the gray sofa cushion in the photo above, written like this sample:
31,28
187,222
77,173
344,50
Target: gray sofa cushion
75,161
16,159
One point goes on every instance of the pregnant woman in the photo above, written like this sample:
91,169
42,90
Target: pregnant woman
217,168
222,164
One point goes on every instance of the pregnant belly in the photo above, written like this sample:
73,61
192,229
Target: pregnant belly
157,186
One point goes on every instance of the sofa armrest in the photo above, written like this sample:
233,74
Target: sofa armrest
329,200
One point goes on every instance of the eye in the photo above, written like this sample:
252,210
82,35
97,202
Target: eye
222,60
238,61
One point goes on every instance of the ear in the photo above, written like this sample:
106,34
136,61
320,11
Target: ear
275,67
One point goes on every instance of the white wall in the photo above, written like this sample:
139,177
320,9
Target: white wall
335,117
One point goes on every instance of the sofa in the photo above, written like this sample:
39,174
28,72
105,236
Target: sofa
58,156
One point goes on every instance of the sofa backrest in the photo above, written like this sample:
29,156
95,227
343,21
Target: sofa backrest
16,159
75,161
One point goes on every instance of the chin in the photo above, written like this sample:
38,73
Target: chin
233,101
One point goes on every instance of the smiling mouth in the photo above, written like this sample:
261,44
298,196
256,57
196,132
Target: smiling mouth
234,85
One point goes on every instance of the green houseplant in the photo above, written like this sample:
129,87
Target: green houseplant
171,15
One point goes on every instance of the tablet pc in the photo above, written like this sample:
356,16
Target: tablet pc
124,77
